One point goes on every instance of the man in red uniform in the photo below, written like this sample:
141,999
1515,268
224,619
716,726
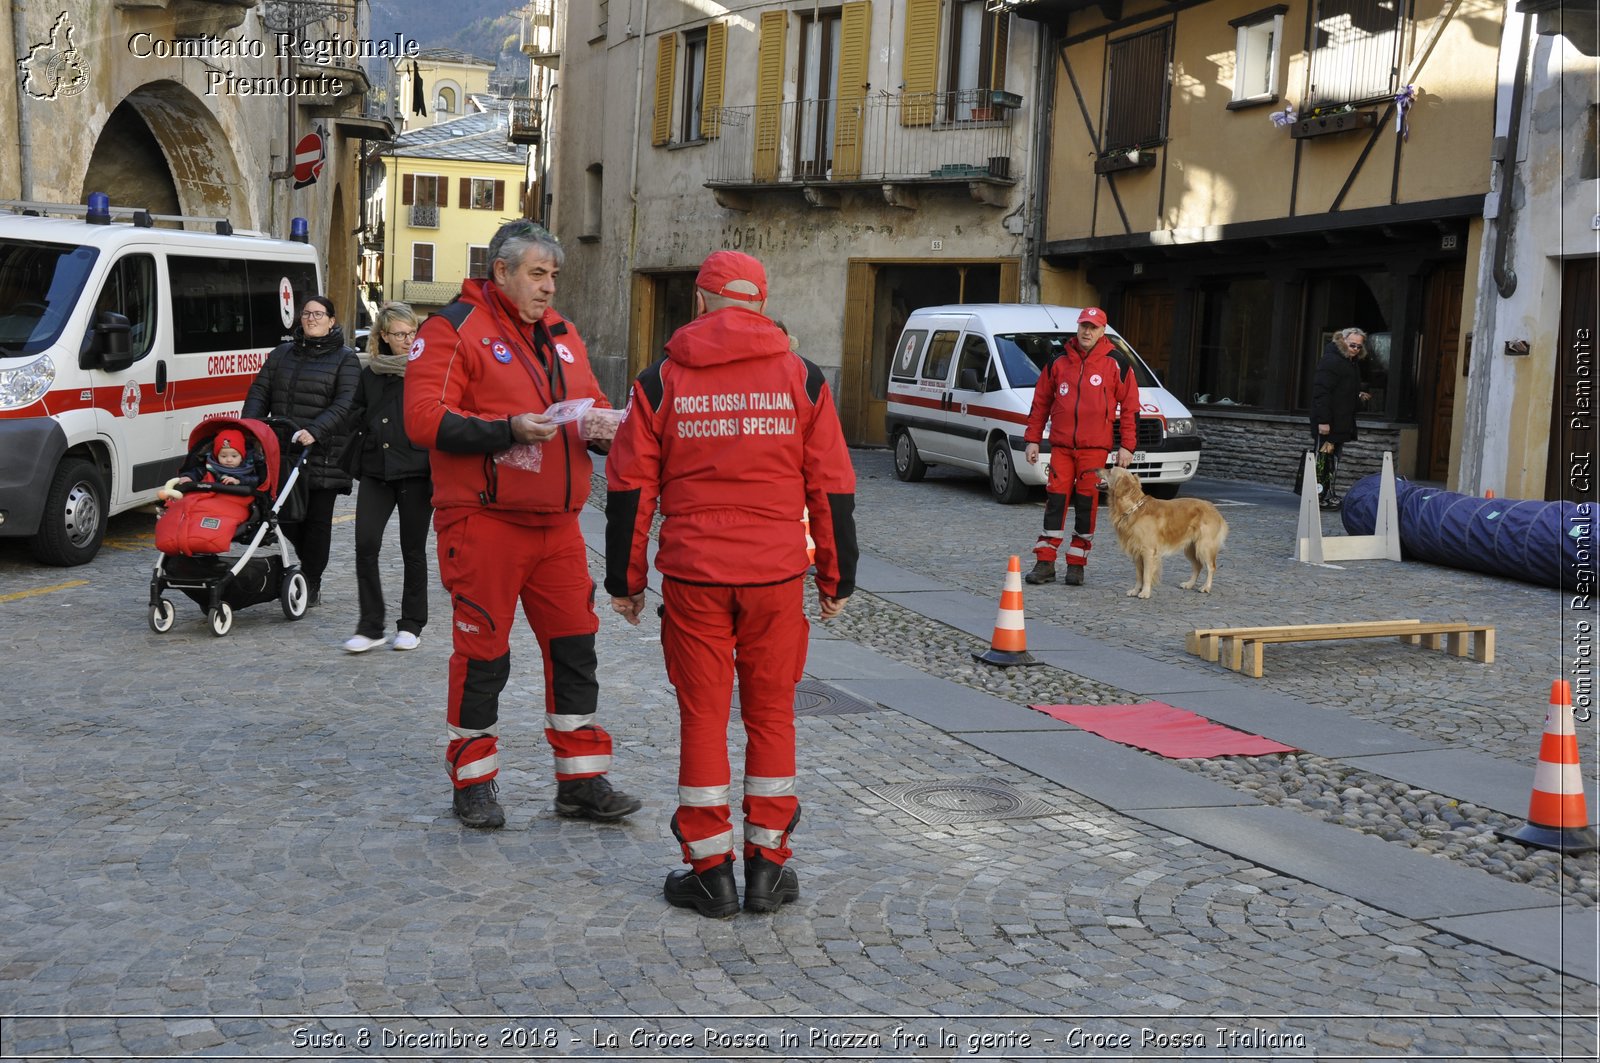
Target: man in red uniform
507,488
736,435
1091,400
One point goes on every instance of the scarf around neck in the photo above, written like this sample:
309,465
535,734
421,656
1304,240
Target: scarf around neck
388,364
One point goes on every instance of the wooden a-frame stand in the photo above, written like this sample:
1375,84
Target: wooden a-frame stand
1384,542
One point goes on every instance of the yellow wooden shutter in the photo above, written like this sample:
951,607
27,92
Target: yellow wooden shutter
1002,43
716,60
666,59
855,34
919,69
769,93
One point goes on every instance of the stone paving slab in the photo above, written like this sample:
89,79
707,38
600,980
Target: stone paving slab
1133,671
882,577
1115,775
1330,732
951,708
1537,934
835,659
1357,865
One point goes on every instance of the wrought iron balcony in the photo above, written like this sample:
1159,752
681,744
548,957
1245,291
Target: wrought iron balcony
424,216
923,138
527,120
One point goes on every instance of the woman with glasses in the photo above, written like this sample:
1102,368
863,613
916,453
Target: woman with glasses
311,379
393,475
1336,393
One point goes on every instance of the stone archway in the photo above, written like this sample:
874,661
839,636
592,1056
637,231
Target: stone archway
163,146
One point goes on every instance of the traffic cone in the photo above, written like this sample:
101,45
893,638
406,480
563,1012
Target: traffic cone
1010,643
1558,817
811,544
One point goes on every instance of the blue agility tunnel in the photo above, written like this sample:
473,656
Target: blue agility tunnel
1549,543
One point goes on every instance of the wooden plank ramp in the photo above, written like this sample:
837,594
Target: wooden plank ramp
1242,649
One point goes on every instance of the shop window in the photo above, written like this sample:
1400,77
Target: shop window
1231,353
1338,301
1354,51
1137,89
1258,40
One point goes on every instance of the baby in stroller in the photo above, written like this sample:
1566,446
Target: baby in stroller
230,459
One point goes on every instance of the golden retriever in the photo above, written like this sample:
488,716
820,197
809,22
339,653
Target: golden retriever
1150,528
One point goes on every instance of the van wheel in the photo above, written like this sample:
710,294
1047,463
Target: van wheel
908,464
75,512
1162,490
1007,488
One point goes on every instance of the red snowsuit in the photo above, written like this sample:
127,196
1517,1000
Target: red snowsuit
1092,403
508,534
736,435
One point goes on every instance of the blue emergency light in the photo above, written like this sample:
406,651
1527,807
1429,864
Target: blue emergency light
299,230
99,209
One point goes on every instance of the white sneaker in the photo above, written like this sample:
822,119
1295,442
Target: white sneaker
361,644
406,640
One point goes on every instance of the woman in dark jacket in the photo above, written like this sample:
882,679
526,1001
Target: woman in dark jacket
393,475
311,380
1336,394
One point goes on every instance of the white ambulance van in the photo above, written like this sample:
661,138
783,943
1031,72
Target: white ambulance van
116,338
961,384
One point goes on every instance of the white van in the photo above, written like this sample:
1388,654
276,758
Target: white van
116,339
962,382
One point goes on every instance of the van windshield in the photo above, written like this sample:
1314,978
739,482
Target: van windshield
39,287
1024,354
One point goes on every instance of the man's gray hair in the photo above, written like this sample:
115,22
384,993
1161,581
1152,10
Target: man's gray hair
513,240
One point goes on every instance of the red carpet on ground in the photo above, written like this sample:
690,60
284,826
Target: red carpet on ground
1163,729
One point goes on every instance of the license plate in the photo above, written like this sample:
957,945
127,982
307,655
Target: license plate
1138,455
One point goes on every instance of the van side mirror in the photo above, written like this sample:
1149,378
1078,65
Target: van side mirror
111,349
968,380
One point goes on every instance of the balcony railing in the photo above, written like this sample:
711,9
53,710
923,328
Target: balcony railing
424,216
916,137
429,293
527,123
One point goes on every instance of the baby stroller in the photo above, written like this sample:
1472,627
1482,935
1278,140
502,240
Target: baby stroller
220,542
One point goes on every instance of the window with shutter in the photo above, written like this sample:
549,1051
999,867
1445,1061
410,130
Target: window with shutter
818,106
716,64
769,94
666,59
1137,90
919,65
855,36
979,40
1354,51
694,85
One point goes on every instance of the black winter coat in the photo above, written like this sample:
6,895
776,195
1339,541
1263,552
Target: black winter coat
1335,395
387,453
313,382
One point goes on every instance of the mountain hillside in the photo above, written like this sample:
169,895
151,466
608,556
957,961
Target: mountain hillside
484,28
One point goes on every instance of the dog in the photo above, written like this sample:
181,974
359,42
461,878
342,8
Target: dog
1150,528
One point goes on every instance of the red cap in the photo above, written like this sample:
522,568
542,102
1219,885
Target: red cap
733,275
1093,315
228,437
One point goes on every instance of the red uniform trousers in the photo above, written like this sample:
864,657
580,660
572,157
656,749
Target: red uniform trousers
708,634
1075,472
488,565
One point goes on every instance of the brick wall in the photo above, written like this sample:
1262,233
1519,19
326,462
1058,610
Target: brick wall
1266,449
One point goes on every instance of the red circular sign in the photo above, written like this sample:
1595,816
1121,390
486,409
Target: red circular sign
308,158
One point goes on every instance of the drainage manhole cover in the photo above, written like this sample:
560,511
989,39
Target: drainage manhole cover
961,801
812,698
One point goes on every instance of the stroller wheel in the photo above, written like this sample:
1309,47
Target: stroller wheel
220,619
161,616
295,595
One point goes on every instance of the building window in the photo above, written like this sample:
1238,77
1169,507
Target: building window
978,43
1231,352
818,110
1259,37
602,18
593,201
1137,89
477,261
421,193
422,262
1354,51
482,193
445,102
694,85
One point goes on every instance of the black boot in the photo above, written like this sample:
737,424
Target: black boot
768,886
1043,572
1074,576
593,798
712,892
475,806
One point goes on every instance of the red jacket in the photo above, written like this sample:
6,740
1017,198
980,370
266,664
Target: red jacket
736,434
473,367
1079,395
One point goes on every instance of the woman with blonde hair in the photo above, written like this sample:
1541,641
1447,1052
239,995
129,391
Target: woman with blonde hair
393,475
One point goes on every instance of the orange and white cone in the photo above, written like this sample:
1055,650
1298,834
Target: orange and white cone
811,544
1010,643
1558,816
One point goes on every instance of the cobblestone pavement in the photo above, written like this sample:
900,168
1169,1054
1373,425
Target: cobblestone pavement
244,847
